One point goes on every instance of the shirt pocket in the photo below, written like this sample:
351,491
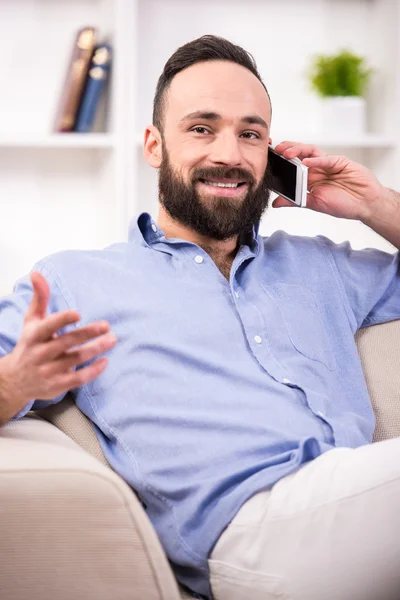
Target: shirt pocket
303,321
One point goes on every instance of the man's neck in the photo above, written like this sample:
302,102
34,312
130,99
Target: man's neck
220,251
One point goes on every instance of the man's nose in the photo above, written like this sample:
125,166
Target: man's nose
226,150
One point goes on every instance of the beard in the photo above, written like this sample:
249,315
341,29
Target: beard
217,217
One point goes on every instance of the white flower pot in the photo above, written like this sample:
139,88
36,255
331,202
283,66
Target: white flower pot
344,115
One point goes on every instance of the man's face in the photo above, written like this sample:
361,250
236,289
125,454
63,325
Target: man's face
213,175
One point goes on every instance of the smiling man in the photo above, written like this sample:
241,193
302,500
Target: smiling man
210,141
232,397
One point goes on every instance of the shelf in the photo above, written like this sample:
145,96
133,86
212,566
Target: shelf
59,140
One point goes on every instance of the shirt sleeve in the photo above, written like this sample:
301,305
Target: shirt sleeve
12,312
370,279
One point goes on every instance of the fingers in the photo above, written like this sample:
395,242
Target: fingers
297,150
80,355
74,379
41,294
45,357
61,344
333,164
45,329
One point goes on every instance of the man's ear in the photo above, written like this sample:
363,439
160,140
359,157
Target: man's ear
152,149
270,141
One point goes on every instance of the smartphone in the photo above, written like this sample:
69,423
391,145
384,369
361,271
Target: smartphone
289,177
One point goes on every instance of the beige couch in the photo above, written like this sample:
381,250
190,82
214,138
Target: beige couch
70,528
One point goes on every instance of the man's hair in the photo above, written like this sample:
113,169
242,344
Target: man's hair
207,47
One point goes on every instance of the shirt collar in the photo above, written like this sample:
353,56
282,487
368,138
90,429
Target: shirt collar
145,231
251,239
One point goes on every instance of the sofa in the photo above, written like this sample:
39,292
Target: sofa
71,528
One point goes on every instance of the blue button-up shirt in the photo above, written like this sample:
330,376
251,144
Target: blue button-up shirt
217,389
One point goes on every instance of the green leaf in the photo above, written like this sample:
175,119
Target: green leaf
341,74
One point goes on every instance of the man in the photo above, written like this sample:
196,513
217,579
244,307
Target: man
233,400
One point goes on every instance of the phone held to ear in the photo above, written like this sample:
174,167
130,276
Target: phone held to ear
289,177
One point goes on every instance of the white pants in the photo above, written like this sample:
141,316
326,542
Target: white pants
330,531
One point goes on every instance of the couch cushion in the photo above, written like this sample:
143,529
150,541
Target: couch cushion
67,417
379,349
71,529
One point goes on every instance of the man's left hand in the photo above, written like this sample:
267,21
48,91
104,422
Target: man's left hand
337,186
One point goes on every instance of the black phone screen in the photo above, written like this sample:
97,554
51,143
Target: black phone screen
284,175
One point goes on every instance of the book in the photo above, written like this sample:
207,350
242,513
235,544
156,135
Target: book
75,79
95,84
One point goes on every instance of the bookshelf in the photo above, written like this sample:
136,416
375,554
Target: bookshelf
81,190
58,140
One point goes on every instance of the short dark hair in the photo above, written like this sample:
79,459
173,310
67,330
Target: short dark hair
206,47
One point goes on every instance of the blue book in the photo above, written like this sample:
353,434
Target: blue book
96,80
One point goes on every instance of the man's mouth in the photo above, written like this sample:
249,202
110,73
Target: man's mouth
224,187
228,183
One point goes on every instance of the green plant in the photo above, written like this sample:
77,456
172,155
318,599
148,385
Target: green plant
341,74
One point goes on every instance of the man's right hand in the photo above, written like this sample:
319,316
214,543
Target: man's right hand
41,365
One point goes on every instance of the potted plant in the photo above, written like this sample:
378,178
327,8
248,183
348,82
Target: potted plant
342,80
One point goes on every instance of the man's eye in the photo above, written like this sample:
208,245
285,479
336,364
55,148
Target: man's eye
200,129
251,135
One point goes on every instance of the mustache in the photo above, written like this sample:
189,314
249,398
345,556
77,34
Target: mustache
223,172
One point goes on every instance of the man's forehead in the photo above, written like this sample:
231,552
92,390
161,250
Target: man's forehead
221,86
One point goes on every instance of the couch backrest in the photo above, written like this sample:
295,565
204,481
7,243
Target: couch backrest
66,416
379,349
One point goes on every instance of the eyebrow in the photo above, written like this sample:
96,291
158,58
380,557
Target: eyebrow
212,116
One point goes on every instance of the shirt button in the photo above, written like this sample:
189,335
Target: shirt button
236,295
258,339
199,259
321,414
154,227
286,380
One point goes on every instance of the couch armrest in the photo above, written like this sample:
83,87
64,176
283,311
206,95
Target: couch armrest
70,527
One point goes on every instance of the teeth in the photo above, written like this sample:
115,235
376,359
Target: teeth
223,185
